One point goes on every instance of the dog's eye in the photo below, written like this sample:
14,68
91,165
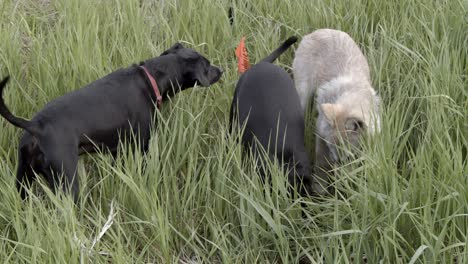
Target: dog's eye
354,124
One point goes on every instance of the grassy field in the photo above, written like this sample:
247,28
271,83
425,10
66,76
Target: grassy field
193,198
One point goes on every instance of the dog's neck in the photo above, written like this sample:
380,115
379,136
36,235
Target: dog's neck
166,76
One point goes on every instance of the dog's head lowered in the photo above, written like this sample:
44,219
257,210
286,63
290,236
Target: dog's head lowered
195,67
345,118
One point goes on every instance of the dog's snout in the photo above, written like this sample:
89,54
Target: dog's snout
215,73
218,69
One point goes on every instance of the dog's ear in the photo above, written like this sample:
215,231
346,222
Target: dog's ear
201,76
331,111
173,49
202,69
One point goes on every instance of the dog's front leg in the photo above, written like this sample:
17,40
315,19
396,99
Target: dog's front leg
322,167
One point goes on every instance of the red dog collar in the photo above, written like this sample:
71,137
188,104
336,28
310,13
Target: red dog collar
154,85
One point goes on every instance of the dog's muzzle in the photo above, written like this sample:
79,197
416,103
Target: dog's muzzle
216,74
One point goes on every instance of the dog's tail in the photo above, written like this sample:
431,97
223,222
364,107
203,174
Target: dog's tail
16,121
275,54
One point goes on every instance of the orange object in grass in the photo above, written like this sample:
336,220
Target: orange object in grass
242,57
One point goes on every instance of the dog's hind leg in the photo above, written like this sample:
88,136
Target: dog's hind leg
24,174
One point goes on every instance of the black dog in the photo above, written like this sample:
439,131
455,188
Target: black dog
99,115
266,102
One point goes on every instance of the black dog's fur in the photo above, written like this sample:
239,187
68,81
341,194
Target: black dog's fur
266,102
99,115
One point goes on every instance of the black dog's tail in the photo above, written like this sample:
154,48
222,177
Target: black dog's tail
16,121
231,15
275,54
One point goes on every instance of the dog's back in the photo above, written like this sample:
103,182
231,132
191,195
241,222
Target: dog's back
267,100
324,55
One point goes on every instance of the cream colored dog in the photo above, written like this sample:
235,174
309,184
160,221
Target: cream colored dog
329,63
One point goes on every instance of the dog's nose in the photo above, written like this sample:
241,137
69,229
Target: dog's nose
220,70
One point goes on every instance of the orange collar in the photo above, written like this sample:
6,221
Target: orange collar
154,85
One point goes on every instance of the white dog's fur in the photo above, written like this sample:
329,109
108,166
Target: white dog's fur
329,63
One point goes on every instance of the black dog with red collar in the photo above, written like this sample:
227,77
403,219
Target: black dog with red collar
99,115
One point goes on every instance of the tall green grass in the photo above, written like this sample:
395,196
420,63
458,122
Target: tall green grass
194,198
